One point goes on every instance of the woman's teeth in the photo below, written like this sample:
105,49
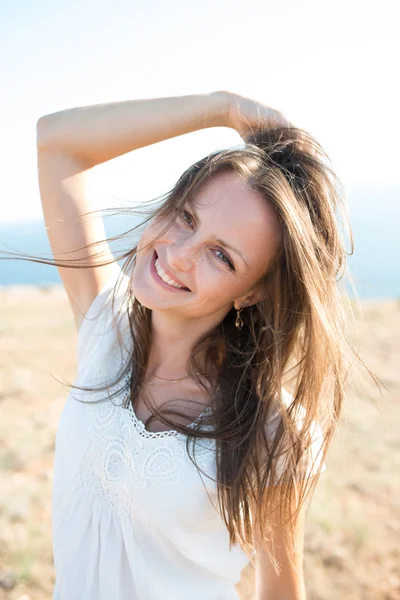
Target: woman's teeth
162,274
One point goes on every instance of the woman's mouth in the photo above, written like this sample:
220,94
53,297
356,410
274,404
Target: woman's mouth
162,278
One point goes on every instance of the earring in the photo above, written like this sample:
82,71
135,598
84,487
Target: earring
239,320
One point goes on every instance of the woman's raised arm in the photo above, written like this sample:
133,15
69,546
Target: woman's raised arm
98,133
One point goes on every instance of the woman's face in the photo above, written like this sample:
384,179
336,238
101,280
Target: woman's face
219,250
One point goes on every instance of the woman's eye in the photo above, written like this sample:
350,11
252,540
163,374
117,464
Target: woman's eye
186,213
227,259
187,217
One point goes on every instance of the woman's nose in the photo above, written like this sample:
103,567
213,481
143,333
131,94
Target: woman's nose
180,257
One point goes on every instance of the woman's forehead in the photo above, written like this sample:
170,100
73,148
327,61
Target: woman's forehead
219,186
227,195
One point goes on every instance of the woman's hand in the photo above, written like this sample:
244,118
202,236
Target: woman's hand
247,115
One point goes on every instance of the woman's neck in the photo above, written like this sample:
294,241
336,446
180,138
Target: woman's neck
171,346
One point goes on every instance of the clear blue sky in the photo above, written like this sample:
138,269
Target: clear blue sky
331,67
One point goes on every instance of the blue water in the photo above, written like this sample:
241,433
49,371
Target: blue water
375,264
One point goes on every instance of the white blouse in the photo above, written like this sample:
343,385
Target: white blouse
132,517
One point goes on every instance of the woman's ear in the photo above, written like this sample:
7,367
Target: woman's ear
252,297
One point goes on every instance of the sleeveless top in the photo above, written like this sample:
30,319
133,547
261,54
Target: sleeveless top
132,517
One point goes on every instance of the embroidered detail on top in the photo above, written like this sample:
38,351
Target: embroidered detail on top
141,428
118,460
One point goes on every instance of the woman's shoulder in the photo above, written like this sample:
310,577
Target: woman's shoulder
105,311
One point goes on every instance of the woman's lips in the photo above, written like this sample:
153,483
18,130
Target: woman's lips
158,279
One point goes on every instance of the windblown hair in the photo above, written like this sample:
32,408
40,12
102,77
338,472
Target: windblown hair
294,337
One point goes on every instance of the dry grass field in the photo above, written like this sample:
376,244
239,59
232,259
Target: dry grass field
352,547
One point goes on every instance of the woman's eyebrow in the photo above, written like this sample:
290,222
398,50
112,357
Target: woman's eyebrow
219,241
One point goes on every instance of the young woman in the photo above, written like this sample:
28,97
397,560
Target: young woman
211,367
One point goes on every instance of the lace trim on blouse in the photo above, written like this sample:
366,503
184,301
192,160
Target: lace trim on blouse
117,461
141,428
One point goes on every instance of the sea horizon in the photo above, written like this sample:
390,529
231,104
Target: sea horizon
374,266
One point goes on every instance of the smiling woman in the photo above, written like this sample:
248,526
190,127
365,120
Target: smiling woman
229,297
192,251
